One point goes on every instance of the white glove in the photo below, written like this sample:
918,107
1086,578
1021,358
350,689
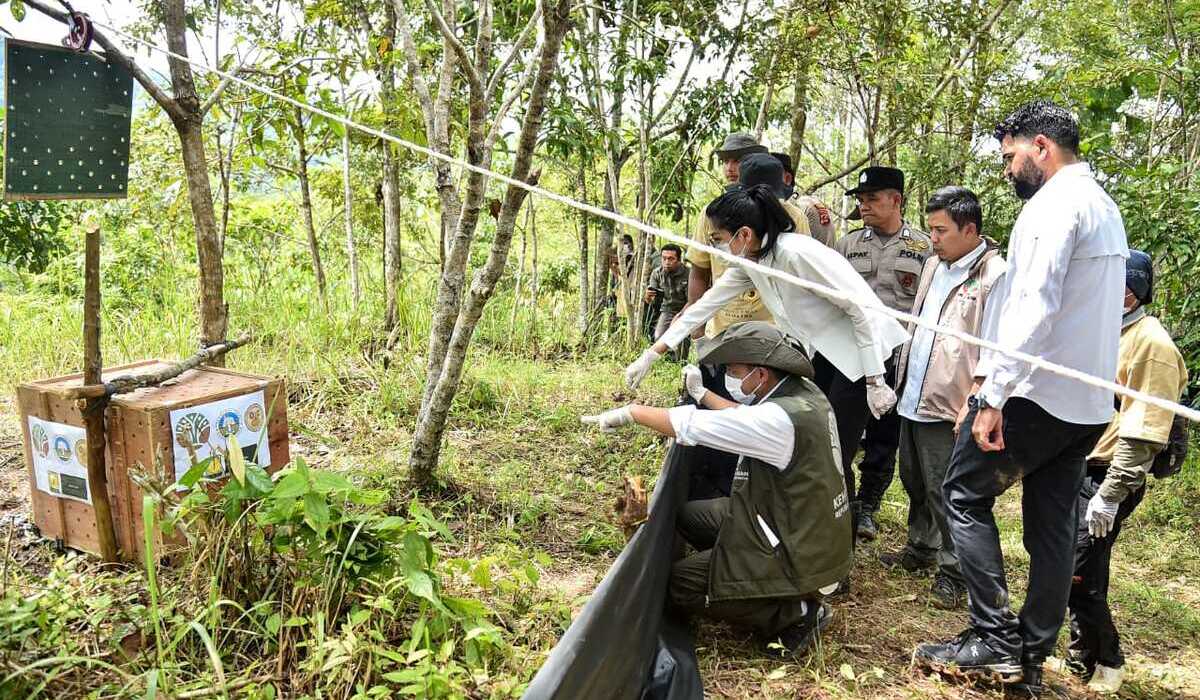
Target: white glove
880,399
1101,515
694,383
639,368
609,421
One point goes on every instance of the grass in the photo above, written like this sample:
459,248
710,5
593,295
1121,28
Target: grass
528,487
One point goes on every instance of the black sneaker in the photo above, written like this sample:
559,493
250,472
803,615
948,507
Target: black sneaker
1029,687
843,588
907,560
947,593
795,639
967,655
866,528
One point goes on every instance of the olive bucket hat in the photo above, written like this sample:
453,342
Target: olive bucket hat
757,343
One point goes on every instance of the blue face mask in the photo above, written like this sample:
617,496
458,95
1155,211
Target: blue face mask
734,386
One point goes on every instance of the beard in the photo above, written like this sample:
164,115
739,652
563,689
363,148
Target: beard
1028,180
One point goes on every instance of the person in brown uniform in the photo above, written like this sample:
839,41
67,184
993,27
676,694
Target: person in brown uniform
889,254
820,220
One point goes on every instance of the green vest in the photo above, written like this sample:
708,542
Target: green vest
805,507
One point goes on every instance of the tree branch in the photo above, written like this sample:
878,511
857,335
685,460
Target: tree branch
409,45
221,86
464,57
494,82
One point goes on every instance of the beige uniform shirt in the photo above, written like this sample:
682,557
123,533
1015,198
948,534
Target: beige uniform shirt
747,306
891,265
1149,362
820,220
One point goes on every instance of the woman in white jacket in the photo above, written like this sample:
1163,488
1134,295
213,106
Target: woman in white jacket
751,223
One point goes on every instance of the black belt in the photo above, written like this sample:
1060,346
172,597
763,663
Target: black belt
1098,467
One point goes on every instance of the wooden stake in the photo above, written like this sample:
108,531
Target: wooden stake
93,409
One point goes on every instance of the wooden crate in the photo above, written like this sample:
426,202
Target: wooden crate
139,433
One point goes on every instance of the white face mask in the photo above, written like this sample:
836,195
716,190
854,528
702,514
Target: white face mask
727,246
734,386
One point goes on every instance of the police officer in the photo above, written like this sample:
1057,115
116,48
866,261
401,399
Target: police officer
889,254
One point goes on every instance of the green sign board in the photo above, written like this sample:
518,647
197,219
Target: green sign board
66,128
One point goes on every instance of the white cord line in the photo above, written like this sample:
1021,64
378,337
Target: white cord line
873,304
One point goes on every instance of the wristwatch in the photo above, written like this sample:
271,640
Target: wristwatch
978,402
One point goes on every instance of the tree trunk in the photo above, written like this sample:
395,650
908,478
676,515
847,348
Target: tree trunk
431,422
799,113
348,199
585,306
188,124
314,247
391,237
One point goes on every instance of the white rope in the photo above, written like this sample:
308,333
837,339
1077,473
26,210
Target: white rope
874,304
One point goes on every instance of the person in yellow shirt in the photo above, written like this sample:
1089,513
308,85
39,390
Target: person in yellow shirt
1116,476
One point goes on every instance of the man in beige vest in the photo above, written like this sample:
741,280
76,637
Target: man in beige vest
935,375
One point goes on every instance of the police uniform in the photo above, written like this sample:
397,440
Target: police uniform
891,265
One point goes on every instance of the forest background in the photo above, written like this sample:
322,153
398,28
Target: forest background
441,334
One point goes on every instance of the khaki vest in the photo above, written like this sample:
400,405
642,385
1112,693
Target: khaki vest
805,506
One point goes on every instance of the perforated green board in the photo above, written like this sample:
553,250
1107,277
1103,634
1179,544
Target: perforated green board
66,131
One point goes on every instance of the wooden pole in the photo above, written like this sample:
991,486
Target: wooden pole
93,409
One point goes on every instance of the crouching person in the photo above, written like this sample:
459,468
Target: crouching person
767,553
1116,476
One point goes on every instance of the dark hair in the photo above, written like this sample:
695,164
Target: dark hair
674,249
960,204
626,238
1041,117
756,207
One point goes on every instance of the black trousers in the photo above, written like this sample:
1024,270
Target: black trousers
1094,638
1047,455
710,471
849,402
882,439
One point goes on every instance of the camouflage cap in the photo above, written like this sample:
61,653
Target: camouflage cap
758,343
738,144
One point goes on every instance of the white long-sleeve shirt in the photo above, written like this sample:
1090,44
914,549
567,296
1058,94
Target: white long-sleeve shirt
855,340
1065,288
762,431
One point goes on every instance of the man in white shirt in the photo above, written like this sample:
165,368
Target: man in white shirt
1066,266
935,376
768,552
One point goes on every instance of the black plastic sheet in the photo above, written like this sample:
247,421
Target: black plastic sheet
623,644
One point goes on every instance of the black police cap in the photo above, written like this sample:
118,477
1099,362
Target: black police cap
878,177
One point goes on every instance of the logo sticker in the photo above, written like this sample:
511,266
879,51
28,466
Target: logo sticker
254,418
62,449
41,442
229,424
193,430
81,451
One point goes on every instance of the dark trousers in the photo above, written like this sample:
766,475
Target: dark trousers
710,471
878,465
849,402
1047,455
925,450
1094,638
680,353
698,523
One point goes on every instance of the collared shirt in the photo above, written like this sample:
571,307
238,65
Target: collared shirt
1065,295
891,264
762,431
673,287
855,340
748,306
946,278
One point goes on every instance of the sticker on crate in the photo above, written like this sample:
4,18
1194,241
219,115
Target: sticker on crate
203,431
60,459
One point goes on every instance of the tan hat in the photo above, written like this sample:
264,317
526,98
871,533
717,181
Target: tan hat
757,343
739,144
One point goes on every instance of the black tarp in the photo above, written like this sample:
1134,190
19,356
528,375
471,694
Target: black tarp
623,644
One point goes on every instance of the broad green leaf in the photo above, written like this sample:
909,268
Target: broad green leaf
293,485
237,462
328,482
18,10
316,512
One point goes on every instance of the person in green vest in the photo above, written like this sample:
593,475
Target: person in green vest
769,552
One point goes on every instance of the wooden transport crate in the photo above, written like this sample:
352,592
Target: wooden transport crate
139,433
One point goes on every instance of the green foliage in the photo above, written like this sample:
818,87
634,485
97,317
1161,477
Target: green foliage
31,236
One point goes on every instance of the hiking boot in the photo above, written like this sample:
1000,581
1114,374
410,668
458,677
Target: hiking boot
968,656
946,593
866,528
843,588
1107,681
794,640
1030,687
906,559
